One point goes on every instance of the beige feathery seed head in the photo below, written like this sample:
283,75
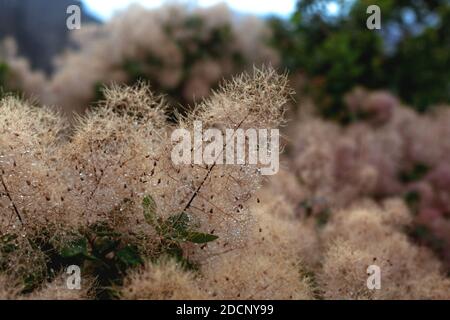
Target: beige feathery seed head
279,229
112,156
20,77
58,290
313,157
9,290
358,238
343,274
163,280
116,155
270,266
396,213
24,262
251,100
248,274
138,103
34,126
216,196
28,138
291,192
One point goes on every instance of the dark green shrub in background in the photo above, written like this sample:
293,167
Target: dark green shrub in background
7,84
410,55
3,74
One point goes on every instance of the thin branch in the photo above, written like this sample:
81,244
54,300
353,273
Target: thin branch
194,195
8,194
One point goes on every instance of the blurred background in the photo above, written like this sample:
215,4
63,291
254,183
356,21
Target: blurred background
375,101
39,25
325,41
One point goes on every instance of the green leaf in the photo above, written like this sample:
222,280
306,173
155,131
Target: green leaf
149,206
129,256
179,223
7,243
175,227
175,251
76,248
104,245
198,237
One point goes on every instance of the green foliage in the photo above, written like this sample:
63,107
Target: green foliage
423,73
103,253
423,235
7,245
3,75
100,250
27,259
3,72
76,248
173,232
149,206
412,199
338,52
5,82
416,173
97,249
175,228
321,214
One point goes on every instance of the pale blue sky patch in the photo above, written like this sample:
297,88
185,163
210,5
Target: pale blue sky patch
333,8
105,9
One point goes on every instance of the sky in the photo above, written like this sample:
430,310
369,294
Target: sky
104,9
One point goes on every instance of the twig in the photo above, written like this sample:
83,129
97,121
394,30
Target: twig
16,211
196,192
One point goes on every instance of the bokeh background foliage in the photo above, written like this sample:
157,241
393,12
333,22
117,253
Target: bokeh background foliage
331,51
410,55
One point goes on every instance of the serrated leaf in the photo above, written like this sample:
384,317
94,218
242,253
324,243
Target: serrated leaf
149,206
198,237
76,248
179,223
129,256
